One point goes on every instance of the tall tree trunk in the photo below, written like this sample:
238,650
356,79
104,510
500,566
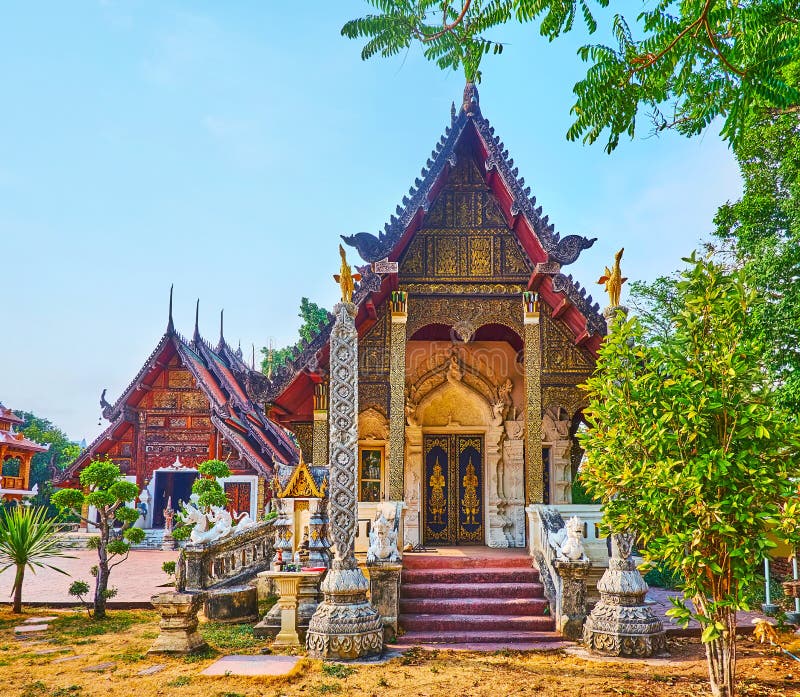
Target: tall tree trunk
101,586
721,656
18,578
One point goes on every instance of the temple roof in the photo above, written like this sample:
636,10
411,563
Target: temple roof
17,441
222,376
544,245
7,415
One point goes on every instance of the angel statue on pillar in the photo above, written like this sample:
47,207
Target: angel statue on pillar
345,278
613,280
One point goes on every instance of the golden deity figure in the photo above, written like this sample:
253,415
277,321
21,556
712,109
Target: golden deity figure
346,278
436,502
470,504
613,279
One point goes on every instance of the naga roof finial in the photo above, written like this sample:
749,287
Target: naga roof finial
221,324
170,323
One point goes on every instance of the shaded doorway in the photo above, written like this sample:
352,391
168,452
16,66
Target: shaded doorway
171,487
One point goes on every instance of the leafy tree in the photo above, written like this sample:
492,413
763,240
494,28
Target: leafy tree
27,537
763,231
655,306
312,316
687,448
693,60
104,488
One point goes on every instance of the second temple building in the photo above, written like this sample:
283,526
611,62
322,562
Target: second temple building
472,343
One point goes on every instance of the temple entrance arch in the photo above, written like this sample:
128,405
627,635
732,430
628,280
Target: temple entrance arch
461,405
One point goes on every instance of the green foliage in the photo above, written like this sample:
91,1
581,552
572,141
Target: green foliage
182,532
230,637
313,317
168,567
337,670
105,488
762,230
661,577
655,306
180,681
214,468
579,493
80,589
687,447
694,60
27,537
68,627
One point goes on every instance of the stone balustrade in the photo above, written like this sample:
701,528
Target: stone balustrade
228,561
564,580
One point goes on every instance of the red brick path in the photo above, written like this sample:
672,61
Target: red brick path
136,579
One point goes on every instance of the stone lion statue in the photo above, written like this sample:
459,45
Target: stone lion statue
382,541
568,541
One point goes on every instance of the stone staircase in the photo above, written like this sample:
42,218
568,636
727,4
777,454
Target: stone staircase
485,599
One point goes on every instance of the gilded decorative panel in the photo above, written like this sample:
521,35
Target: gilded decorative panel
304,433
374,395
450,310
373,348
465,237
561,355
180,378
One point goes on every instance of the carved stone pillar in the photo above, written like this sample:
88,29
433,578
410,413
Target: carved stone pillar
534,467
413,479
384,591
572,607
319,439
397,385
345,625
497,523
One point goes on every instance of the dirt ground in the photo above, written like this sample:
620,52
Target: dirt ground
30,669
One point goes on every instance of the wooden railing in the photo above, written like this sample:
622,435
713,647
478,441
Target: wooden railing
14,483
226,562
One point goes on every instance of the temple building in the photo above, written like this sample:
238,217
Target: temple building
472,344
189,403
17,449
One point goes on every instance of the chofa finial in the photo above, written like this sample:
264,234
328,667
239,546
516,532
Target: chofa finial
170,323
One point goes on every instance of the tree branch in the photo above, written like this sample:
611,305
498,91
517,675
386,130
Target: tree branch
446,28
710,35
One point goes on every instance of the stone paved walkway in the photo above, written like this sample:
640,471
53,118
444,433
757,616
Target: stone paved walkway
661,603
136,579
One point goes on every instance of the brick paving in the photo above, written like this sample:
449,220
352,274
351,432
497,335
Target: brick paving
135,579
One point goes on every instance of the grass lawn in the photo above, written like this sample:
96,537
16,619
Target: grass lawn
36,669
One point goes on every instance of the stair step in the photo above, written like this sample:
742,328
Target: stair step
476,575
471,590
507,639
473,606
473,623
511,560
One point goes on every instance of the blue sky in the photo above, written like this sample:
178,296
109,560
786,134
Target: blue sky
223,147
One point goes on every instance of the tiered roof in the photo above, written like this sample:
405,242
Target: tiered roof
544,245
222,376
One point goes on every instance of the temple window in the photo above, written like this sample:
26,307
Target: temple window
370,473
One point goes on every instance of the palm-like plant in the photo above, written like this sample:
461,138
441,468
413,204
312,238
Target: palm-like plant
27,538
